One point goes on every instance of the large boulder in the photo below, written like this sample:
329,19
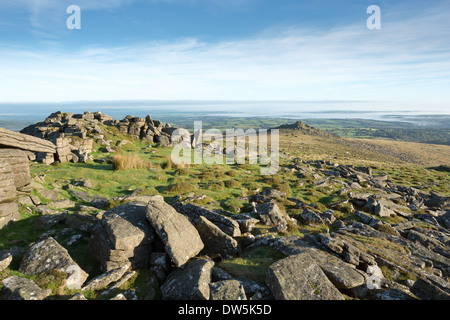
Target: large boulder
215,240
5,260
124,235
11,139
271,215
227,290
20,166
425,290
47,255
194,212
9,211
127,227
8,193
298,277
181,239
103,280
343,275
190,283
18,288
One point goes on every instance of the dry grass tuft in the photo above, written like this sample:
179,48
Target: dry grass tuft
128,161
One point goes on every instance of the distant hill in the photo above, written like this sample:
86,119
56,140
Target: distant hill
303,127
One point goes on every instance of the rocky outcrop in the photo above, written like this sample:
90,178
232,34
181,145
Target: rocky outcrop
16,151
73,135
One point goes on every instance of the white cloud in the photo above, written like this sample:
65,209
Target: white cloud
408,59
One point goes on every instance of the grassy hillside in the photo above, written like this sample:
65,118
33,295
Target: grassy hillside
225,186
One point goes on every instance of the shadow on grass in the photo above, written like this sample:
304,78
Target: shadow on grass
441,168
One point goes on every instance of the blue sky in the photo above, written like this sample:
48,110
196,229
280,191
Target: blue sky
225,50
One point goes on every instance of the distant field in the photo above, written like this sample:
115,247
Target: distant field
348,128
429,129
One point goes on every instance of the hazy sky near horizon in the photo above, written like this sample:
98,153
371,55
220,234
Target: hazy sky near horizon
225,50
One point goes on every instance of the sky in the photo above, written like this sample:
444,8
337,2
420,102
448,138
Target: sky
246,50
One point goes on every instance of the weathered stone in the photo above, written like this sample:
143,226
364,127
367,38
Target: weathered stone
341,274
190,283
124,235
270,214
252,288
78,296
61,204
437,201
428,291
298,277
49,194
8,191
102,281
227,290
45,158
246,222
227,225
127,227
181,239
382,211
19,163
9,211
310,216
63,152
159,259
215,240
47,255
5,260
393,295
18,288
82,196
45,210
163,140
21,141
47,221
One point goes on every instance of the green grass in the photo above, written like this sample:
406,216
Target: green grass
222,185
253,264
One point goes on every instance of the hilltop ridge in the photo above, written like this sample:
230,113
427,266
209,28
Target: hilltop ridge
302,127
